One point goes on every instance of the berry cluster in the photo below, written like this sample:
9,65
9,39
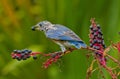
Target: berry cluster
22,54
97,41
96,38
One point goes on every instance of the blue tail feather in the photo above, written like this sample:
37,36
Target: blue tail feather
78,44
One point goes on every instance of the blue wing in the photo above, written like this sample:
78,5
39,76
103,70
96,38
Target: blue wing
65,34
62,33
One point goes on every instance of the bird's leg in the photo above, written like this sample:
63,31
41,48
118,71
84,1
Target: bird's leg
62,47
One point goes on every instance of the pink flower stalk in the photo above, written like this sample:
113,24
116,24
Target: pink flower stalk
54,57
97,41
117,46
50,61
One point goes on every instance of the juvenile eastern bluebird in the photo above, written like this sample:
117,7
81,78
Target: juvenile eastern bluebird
60,34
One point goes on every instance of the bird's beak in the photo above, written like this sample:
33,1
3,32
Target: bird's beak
34,28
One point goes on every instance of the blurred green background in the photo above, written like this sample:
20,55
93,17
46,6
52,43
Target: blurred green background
17,17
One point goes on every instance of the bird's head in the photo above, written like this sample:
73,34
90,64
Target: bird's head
42,26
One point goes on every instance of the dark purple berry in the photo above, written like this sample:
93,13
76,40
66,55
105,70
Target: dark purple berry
22,54
99,41
23,51
15,51
100,32
29,51
104,46
18,58
91,28
18,51
98,26
94,47
34,57
99,36
97,47
26,52
94,41
94,29
91,45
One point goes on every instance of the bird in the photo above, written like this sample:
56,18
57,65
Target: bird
60,34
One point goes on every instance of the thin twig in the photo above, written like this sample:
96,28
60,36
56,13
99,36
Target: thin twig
115,67
100,67
114,76
90,70
112,58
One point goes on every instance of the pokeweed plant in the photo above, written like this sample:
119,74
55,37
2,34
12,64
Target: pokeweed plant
97,47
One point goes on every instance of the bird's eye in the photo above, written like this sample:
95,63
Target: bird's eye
40,24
